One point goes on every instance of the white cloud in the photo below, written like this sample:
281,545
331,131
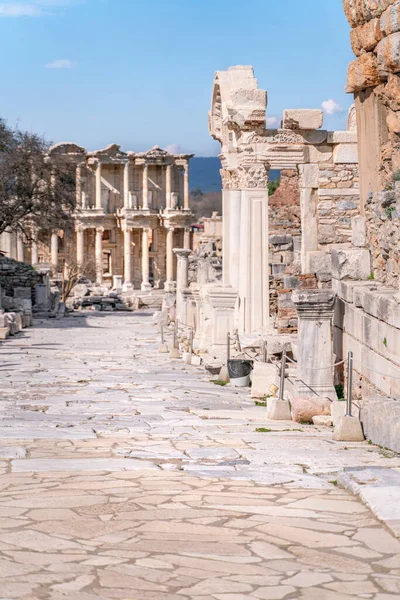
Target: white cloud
62,63
273,121
173,149
34,8
331,107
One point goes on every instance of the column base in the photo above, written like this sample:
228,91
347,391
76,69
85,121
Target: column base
146,287
169,286
127,287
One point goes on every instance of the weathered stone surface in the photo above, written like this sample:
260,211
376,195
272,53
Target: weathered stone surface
345,153
352,263
348,429
320,262
358,231
388,53
323,420
302,118
309,175
363,73
366,37
305,408
359,12
264,375
390,20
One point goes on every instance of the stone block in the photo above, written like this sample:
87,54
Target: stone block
363,73
342,137
380,417
358,231
302,118
365,37
349,429
264,374
305,408
24,293
323,420
390,20
309,176
388,53
280,240
338,192
4,333
320,262
345,154
196,361
359,290
351,263
278,410
318,154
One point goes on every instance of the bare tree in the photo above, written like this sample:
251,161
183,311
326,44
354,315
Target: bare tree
35,190
73,272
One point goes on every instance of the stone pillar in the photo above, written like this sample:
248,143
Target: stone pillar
14,254
315,356
168,187
99,254
54,249
170,259
145,188
186,186
20,247
78,185
126,185
309,182
145,260
98,187
127,257
222,301
80,244
34,250
186,239
182,281
6,243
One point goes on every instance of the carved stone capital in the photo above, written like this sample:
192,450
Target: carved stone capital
246,176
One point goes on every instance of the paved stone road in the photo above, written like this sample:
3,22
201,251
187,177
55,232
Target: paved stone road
126,475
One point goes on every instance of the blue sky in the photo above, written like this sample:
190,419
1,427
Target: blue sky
140,72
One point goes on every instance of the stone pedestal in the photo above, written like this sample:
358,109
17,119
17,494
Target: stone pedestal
170,259
80,233
222,301
315,357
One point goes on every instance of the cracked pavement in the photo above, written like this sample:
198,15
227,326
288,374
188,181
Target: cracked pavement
125,474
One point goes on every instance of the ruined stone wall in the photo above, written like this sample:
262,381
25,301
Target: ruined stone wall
382,216
14,274
374,79
338,202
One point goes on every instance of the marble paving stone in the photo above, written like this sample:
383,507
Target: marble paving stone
140,480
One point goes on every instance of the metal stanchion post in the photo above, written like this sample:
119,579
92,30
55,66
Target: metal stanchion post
349,383
228,347
191,341
162,334
282,381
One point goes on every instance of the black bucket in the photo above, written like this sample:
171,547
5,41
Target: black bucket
239,372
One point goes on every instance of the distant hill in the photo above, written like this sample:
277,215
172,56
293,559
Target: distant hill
204,174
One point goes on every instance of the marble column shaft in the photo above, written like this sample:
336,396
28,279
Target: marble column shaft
145,187
80,240
170,254
145,260
126,185
186,186
168,186
99,254
54,249
98,187
127,256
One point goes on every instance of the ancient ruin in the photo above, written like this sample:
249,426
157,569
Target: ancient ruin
132,210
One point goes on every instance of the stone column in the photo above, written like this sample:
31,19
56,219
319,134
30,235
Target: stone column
145,187
78,183
6,243
20,247
182,280
186,239
170,259
168,186
186,186
315,354
98,187
54,249
99,254
80,244
127,257
34,249
145,260
126,185
309,182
